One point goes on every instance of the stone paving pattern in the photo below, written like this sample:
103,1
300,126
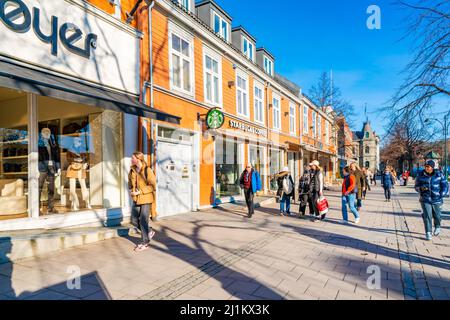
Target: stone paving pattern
221,254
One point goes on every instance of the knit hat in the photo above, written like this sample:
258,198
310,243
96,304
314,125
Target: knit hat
430,163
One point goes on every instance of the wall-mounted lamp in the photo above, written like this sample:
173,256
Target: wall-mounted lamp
234,66
286,113
231,84
270,105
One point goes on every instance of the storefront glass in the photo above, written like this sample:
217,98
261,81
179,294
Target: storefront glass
228,167
13,154
79,157
275,166
256,156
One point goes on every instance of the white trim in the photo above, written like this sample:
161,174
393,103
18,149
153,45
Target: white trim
189,38
292,106
270,65
277,97
221,21
246,51
215,56
243,75
305,119
260,86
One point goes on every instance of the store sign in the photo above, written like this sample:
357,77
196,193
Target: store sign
214,119
17,17
248,128
71,38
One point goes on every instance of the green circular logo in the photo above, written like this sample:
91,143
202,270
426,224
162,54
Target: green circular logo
215,119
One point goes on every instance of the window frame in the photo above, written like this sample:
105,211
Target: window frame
305,119
250,54
319,126
278,98
314,124
260,86
189,38
221,22
214,56
292,118
243,75
327,132
269,64
183,4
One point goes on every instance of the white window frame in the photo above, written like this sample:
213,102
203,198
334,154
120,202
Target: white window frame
277,98
319,126
260,86
314,124
185,4
117,9
246,50
189,38
305,119
292,117
269,64
215,56
221,22
242,75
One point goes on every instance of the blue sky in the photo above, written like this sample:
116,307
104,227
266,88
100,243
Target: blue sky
308,37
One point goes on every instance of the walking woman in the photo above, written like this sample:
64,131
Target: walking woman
316,188
285,190
349,191
387,181
304,191
142,185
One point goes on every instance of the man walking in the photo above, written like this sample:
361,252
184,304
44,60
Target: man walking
250,181
432,188
387,181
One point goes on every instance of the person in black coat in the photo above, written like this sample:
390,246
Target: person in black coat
304,191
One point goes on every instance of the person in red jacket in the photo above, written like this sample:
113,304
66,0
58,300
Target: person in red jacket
349,191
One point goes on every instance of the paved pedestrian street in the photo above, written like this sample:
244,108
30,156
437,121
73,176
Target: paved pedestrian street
221,254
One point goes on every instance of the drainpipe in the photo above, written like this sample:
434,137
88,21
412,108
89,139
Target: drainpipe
150,6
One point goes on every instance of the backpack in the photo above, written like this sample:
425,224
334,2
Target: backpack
287,185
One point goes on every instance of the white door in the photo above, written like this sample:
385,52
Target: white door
174,178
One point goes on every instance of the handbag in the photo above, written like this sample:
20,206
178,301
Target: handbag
322,205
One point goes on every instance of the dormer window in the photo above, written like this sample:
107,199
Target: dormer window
185,4
221,27
248,48
268,66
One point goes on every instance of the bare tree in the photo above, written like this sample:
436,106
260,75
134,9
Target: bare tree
427,75
325,93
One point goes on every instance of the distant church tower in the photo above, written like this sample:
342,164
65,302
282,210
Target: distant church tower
369,147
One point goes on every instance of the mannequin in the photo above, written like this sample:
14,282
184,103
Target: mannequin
49,166
77,170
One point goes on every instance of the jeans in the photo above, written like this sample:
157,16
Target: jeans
387,193
304,203
285,199
140,219
249,200
350,201
51,187
431,211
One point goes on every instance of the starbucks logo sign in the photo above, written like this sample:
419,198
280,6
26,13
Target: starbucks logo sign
214,119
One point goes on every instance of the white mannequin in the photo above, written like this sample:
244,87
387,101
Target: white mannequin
75,204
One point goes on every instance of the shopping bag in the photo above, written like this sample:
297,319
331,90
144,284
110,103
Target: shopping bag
322,206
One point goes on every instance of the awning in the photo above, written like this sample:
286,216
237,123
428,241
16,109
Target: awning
18,77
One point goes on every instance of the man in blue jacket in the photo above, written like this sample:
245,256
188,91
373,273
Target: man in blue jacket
387,181
250,181
432,187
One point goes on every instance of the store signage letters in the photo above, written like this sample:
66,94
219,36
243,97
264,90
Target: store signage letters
247,128
18,18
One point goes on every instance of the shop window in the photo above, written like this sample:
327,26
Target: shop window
79,157
14,137
228,167
275,166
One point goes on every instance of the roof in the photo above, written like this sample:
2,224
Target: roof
291,86
357,135
243,30
214,4
266,52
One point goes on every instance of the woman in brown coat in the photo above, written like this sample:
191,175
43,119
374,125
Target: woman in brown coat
142,185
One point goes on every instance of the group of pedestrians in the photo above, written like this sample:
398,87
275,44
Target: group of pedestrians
430,184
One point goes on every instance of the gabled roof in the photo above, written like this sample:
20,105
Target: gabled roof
358,135
214,4
243,30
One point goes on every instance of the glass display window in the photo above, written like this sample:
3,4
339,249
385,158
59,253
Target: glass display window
228,167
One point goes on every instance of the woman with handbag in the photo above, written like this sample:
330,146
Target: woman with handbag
142,185
316,189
